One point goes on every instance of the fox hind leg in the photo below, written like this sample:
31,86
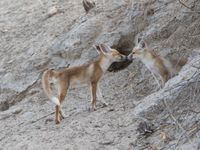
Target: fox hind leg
62,95
62,92
62,114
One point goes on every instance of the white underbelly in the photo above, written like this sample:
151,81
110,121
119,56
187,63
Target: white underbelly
77,82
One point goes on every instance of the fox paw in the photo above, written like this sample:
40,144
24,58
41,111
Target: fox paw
57,121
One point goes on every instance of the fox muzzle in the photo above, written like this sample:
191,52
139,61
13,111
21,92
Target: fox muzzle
130,57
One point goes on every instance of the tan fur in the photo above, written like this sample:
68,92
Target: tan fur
158,65
87,73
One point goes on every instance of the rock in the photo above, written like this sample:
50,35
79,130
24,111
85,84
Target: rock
28,115
144,128
53,11
4,106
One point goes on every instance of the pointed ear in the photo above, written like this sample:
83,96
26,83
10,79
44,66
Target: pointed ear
97,47
142,44
139,39
104,48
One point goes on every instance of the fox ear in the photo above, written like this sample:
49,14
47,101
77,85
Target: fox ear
142,44
139,39
97,47
104,48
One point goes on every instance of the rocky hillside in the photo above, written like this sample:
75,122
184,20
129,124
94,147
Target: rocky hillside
32,39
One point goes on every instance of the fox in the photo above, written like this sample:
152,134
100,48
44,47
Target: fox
160,67
89,73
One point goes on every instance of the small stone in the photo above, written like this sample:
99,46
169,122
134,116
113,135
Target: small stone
52,11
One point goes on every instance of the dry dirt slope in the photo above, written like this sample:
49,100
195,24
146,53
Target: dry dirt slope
32,42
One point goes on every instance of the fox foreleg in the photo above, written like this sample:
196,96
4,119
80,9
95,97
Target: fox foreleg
99,95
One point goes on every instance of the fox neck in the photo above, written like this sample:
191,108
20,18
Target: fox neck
104,63
148,59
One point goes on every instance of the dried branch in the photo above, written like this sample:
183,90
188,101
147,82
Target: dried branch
184,132
177,143
42,117
191,8
185,5
198,12
197,67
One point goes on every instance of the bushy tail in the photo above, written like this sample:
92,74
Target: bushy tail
178,63
47,88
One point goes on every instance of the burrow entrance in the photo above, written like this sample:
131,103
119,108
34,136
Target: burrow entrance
124,46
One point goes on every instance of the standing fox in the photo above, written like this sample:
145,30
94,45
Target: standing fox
87,73
158,65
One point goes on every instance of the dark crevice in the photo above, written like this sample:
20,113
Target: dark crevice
4,106
18,97
124,46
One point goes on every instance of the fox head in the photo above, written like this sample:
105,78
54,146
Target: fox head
138,51
111,54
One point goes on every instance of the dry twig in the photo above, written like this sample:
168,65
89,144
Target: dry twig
184,132
191,8
185,5
42,117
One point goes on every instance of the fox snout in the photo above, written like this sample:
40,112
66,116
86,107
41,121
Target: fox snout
130,57
124,57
